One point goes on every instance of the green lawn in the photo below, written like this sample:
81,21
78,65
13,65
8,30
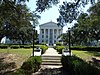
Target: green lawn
22,52
20,55
85,55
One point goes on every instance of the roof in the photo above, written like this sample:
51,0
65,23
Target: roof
48,23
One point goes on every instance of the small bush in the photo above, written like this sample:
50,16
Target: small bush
4,46
26,46
14,46
76,66
43,43
59,49
31,65
58,43
44,48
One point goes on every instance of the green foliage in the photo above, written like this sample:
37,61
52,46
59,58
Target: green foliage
43,43
76,66
15,20
58,43
59,49
18,72
69,11
87,28
44,48
86,48
31,65
14,46
3,46
26,46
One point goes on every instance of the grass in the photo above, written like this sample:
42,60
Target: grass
94,53
82,54
85,55
20,54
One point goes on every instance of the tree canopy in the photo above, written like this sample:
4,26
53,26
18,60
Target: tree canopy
87,28
69,11
15,20
15,17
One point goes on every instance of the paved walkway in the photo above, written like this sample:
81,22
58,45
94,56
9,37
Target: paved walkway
52,70
51,52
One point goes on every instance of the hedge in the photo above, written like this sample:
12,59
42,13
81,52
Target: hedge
58,43
86,48
76,66
15,46
59,49
44,48
31,65
4,46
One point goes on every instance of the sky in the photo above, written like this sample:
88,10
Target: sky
50,14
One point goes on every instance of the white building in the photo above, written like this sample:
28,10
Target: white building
49,32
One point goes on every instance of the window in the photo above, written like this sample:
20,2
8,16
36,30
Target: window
55,31
46,41
54,36
42,40
46,36
46,31
42,31
59,31
42,36
54,41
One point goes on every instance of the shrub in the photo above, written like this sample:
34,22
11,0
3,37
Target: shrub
44,48
31,65
43,43
86,48
27,46
76,66
58,43
18,72
59,49
14,46
21,46
4,46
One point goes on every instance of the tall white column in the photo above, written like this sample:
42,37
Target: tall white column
53,36
57,34
48,36
61,30
44,35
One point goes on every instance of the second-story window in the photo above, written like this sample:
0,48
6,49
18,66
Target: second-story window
42,36
42,31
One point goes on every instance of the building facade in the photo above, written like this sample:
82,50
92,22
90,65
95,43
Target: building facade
49,32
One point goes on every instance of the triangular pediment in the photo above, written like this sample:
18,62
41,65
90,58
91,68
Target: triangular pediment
49,24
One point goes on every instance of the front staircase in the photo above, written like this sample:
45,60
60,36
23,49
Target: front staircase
51,61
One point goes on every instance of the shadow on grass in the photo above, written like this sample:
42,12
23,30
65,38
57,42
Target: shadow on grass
94,53
6,67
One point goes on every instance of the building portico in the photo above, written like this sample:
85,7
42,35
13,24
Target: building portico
49,33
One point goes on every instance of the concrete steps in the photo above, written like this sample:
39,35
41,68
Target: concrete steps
51,61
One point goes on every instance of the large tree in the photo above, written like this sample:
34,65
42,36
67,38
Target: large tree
15,23
12,13
70,11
